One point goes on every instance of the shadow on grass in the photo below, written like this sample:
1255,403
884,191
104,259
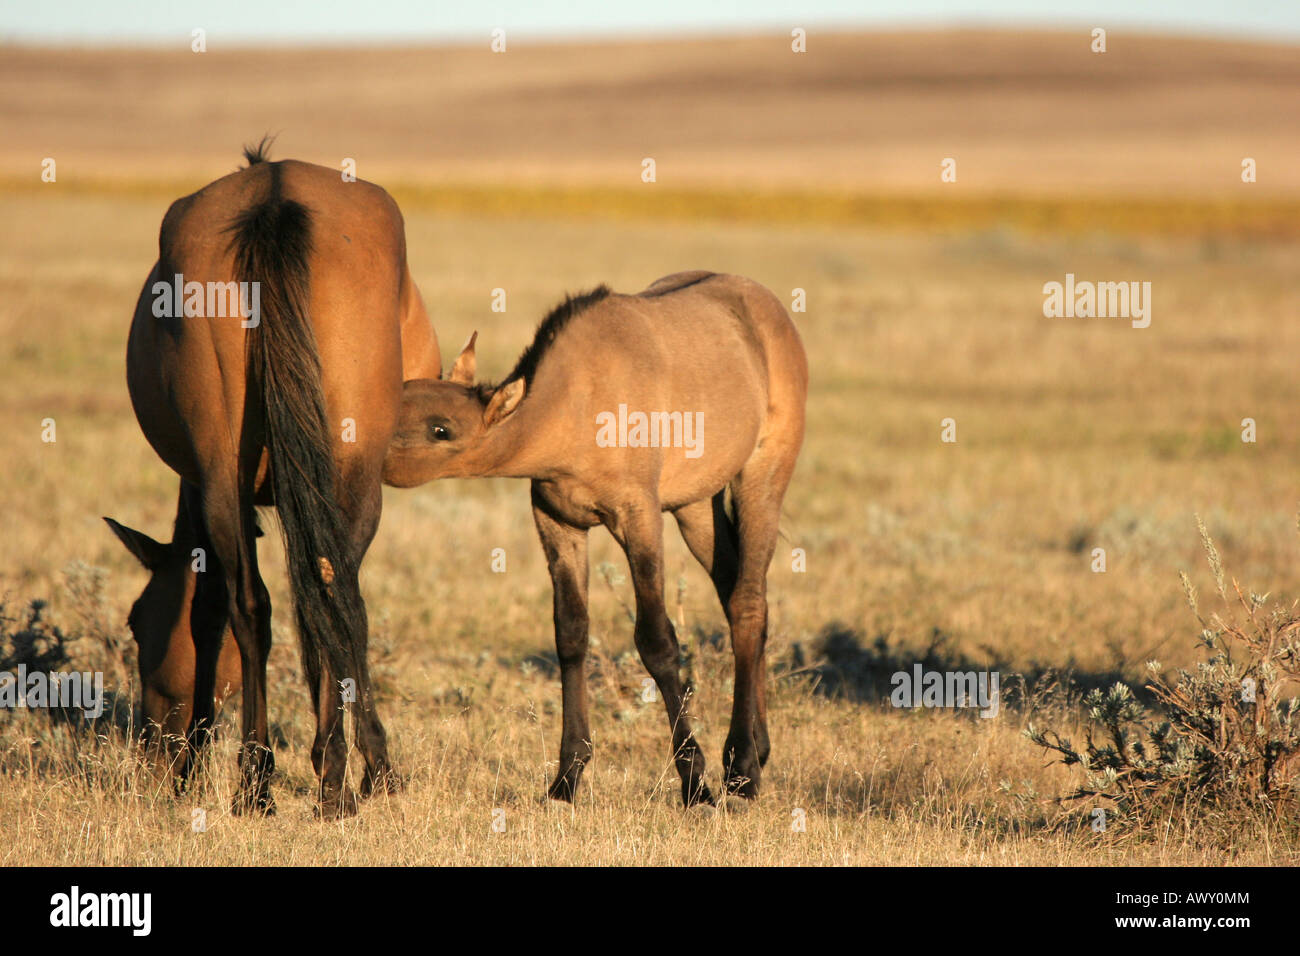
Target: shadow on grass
30,645
841,663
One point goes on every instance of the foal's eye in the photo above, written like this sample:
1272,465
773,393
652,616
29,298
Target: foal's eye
438,432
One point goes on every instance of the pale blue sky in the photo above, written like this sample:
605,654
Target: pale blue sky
341,21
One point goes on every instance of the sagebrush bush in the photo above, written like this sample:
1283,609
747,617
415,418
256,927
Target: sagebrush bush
1227,747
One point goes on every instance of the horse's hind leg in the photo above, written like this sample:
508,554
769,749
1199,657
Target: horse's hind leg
329,749
757,492
363,498
711,537
639,529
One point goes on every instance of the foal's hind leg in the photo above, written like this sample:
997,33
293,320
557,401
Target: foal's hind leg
566,558
711,536
757,492
640,530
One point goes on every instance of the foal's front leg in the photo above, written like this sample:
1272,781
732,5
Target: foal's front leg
566,558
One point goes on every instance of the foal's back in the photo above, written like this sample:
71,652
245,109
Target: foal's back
720,348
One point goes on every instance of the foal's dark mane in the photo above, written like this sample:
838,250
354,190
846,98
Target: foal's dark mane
544,337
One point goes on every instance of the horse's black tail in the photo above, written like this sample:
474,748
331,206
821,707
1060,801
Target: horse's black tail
272,247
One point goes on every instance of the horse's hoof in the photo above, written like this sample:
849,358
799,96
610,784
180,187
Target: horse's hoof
386,781
261,805
337,804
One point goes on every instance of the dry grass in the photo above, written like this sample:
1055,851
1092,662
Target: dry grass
1072,434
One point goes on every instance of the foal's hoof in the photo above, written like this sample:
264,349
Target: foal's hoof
558,808
337,804
564,789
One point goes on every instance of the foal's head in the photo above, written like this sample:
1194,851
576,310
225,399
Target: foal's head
442,420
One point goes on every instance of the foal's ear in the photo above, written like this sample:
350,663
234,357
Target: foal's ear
503,401
462,373
147,551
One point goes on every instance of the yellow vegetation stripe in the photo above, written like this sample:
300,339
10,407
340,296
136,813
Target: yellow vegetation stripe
1258,218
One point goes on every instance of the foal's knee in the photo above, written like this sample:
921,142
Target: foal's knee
656,642
571,640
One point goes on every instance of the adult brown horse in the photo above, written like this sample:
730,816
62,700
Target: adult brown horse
265,366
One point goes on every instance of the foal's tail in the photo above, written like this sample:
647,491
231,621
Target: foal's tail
272,246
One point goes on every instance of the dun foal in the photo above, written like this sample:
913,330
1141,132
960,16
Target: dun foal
622,408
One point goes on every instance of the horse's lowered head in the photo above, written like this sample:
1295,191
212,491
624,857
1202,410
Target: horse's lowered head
163,608
160,622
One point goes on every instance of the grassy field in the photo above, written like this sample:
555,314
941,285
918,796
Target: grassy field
1072,434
